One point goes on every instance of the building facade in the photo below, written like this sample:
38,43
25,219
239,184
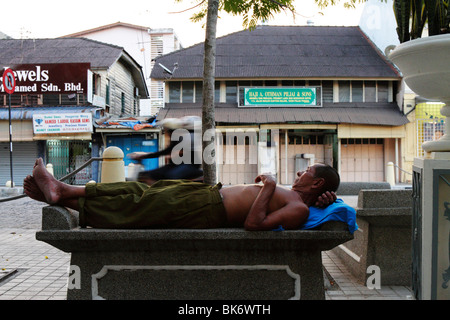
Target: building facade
143,44
62,87
287,97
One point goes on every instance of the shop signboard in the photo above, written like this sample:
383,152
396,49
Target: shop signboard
62,123
53,78
280,96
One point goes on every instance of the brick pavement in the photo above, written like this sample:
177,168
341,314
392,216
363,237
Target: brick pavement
30,269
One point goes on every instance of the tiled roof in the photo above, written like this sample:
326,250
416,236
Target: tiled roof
285,52
64,50
383,114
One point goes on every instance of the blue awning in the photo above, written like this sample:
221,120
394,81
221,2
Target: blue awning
26,113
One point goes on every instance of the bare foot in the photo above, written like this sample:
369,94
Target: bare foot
47,184
32,190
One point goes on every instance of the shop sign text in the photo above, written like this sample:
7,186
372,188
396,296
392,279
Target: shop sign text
57,78
62,123
275,96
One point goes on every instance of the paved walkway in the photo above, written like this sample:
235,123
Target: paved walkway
34,270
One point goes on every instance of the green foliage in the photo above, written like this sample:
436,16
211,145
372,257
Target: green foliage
252,11
412,15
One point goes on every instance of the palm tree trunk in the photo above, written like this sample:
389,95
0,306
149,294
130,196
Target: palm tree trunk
208,114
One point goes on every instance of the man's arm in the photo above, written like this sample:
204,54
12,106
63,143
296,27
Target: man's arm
151,155
289,216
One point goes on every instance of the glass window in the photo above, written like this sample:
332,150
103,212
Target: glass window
357,91
242,86
217,91
231,91
327,91
122,102
383,91
344,91
188,91
370,91
108,91
174,91
198,91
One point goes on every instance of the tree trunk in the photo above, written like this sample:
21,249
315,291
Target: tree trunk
208,114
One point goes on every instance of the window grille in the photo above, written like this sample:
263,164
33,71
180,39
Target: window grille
429,124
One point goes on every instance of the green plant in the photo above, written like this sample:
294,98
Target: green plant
412,15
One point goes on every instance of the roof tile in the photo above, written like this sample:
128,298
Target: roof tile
285,51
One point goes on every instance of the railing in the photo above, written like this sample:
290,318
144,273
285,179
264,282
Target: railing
403,170
61,179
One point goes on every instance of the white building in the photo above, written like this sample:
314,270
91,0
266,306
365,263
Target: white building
143,44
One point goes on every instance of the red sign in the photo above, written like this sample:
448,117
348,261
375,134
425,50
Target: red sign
56,78
9,81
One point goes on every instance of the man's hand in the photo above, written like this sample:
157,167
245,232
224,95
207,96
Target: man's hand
326,199
265,177
137,155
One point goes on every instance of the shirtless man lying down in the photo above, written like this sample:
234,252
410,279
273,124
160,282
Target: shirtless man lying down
186,204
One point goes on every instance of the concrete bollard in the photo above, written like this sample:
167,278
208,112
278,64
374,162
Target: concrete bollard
113,167
49,168
390,174
131,171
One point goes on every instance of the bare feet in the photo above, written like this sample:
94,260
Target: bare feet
32,190
46,183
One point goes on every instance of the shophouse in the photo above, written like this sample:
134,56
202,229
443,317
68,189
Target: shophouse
289,96
62,87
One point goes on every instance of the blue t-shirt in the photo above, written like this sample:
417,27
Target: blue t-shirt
337,211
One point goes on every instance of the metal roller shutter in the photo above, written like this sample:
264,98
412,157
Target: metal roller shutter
24,156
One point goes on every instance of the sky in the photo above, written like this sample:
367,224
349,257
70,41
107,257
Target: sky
55,18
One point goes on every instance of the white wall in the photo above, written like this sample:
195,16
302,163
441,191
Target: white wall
378,22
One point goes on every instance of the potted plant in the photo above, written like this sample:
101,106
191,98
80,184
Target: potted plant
424,61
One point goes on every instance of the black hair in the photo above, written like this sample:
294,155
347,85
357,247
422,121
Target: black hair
330,175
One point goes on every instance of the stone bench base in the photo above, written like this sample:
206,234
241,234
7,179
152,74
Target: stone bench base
190,264
383,238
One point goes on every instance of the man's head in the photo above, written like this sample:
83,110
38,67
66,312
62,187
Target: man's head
317,178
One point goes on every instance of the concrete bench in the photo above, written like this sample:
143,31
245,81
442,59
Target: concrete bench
190,264
384,237
353,188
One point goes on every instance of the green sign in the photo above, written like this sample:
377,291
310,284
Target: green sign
280,96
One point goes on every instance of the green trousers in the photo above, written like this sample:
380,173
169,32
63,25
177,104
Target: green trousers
165,204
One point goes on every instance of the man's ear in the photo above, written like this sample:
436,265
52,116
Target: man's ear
318,183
